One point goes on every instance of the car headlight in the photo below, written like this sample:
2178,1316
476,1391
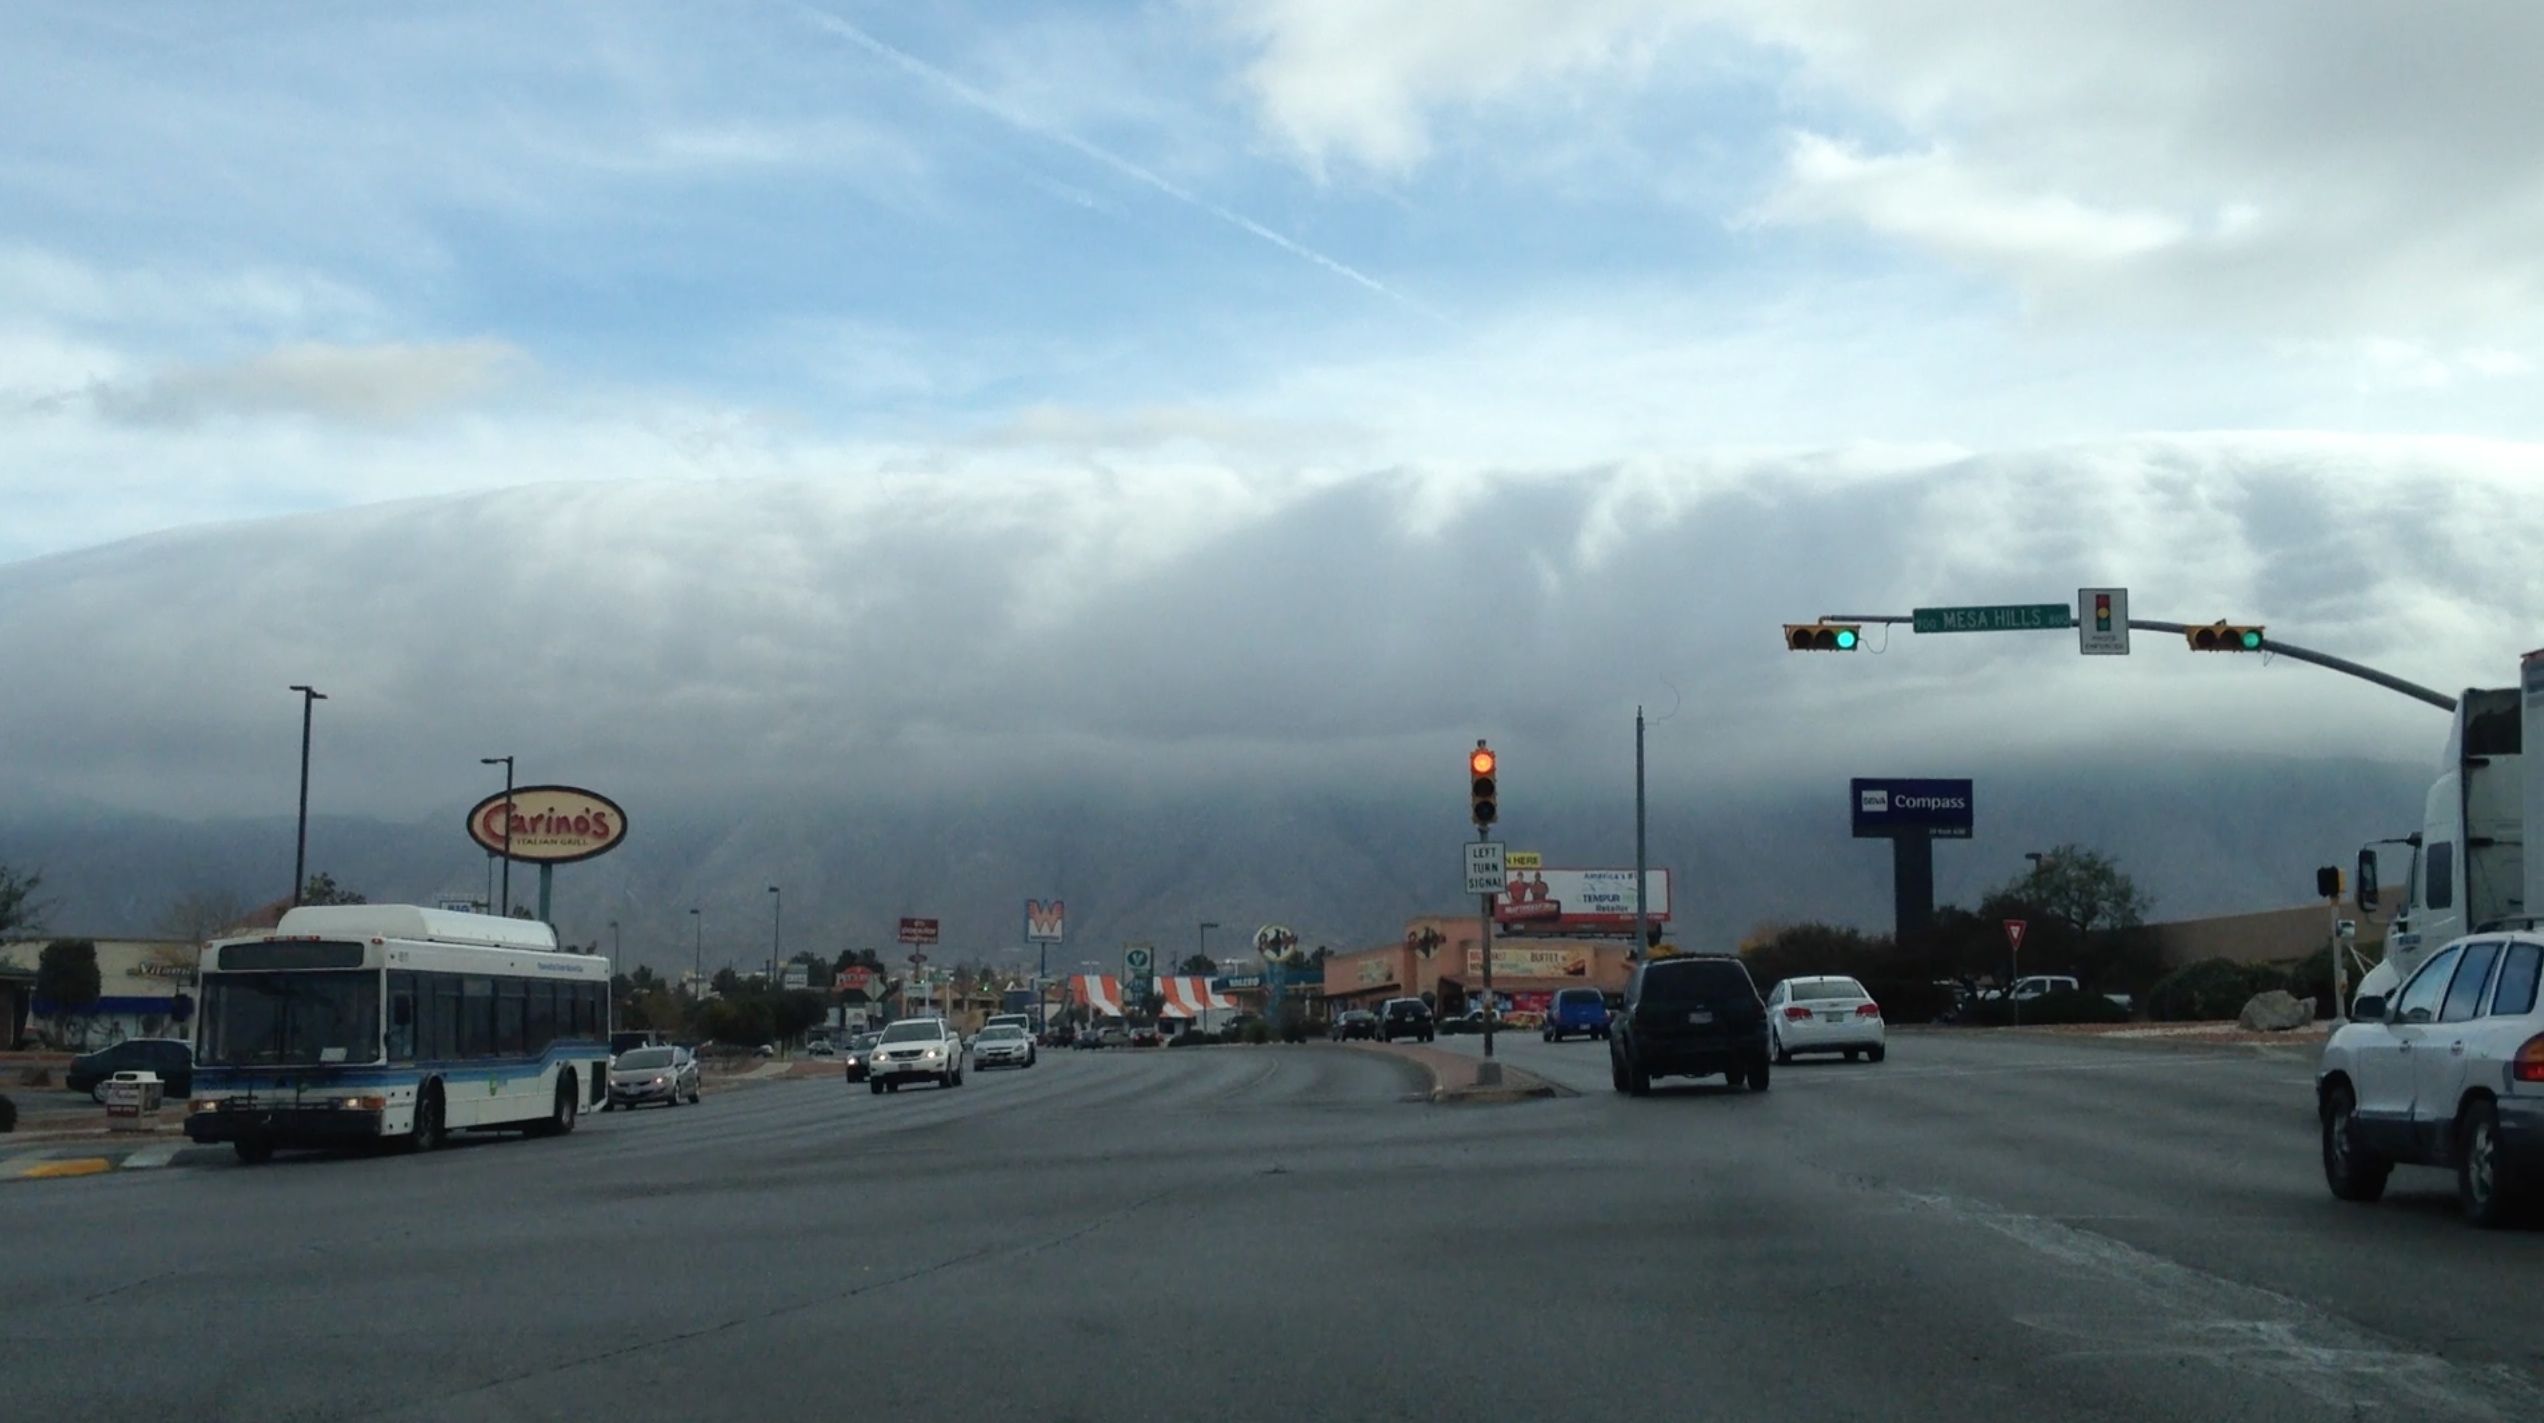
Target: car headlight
658,1082
931,1052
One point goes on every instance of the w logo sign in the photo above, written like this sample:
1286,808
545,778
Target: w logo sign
1043,921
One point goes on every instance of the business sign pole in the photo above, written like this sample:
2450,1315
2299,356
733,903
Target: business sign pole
1045,925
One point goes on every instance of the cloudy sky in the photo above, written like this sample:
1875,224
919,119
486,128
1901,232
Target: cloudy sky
966,380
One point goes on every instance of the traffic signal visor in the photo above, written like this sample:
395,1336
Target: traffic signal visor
2224,636
1822,637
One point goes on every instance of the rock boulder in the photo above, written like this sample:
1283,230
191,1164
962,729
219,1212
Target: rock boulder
2275,1012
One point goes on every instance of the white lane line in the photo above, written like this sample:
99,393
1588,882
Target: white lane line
2182,1312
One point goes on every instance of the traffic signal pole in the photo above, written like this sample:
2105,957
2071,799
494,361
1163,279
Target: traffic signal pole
1481,834
2289,650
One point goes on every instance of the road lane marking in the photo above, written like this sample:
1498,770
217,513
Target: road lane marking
2185,1312
76,1166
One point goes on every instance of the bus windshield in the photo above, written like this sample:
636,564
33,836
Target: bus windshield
274,1019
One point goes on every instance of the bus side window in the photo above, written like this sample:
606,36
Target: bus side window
588,1022
444,1040
512,1000
542,1021
401,1017
476,1017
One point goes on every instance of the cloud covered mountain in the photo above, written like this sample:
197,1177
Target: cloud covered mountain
1177,692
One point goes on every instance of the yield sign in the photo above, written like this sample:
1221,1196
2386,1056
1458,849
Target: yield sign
2014,933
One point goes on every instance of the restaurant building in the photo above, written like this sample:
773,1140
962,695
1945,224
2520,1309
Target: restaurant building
1440,959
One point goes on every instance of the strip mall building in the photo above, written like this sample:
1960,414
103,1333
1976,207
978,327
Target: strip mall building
1526,971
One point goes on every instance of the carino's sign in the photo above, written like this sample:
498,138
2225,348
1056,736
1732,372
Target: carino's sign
548,824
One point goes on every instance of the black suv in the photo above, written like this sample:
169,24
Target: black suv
1689,1017
1405,1018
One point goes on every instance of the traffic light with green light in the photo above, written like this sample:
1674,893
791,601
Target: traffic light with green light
1823,637
1483,793
2222,636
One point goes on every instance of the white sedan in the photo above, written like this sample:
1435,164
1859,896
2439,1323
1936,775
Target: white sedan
1825,1014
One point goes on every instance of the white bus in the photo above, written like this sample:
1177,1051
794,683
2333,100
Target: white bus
363,1023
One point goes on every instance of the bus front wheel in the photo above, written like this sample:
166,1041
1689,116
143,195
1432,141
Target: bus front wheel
429,1132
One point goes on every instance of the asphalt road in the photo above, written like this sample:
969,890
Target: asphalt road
1980,1228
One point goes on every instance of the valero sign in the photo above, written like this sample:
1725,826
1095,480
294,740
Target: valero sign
551,825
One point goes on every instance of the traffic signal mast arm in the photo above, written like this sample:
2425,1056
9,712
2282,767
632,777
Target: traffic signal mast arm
2387,680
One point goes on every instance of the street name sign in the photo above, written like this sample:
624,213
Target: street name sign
2000,617
1486,871
2102,622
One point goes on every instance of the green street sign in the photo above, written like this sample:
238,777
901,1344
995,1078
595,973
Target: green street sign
2002,617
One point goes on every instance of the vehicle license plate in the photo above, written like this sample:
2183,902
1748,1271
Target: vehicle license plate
1832,1017
1700,1016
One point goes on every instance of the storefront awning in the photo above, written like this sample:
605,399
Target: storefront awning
1102,995
1190,997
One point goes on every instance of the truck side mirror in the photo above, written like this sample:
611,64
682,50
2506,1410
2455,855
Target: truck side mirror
2370,1008
2367,881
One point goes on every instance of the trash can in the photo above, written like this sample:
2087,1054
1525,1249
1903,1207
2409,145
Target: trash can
132,1101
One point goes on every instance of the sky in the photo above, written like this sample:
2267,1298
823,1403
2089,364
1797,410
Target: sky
1299,380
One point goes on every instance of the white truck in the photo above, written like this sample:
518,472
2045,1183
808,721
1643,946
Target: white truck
2468,868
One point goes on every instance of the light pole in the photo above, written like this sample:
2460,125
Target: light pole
613,950
777,919
1206,927
309,699
698,956
504,907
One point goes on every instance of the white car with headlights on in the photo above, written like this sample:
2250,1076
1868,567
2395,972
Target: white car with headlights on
916,1050
1002,1045
1825,1014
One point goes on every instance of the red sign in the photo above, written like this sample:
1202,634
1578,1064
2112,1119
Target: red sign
2014,934
918,931
856,978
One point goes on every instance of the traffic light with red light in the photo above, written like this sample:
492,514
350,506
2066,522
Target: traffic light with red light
2101,612
1483,790
2223,636
1823,637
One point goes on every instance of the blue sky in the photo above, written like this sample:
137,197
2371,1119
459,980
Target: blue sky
261,259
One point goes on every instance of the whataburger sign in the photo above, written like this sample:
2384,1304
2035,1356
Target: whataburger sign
551,825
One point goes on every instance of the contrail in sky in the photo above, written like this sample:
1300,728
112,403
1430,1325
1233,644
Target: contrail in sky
1019,119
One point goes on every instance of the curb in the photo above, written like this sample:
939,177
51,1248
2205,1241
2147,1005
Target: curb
1458,1080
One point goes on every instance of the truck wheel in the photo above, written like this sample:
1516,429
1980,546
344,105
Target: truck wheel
1758,1074
2352,1171
1616,1071
1637,1081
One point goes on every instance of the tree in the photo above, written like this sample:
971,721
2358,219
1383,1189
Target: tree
642,979
726,982
19,911
201,917
66,975
1197,964
323,889
2082,888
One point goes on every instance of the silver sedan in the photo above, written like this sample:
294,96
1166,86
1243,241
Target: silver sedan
653,1074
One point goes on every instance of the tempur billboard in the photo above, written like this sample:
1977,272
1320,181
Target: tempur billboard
1576,901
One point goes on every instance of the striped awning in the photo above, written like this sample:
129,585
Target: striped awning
1102,995
1189,997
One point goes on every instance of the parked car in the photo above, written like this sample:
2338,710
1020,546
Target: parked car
1829,1013
171,1058
2448,1072
855,1056
1405,1018
1147,1035
1003,1045
1470,1022
820,1047
1689,1017
2041,985
1357,1023
1113,1035
652,1074
916,1050
1576,1010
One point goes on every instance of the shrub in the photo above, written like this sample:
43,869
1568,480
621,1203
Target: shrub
2076,1006
1192,1037
1908,1000
2211,990
1259,1032
8,1115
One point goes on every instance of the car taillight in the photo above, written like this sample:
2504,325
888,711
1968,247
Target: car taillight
2528,1065
1797,1012
1868,1010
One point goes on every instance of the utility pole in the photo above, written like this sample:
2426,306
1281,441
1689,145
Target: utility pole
309,699
698,956
504,906
777,921
1642,876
